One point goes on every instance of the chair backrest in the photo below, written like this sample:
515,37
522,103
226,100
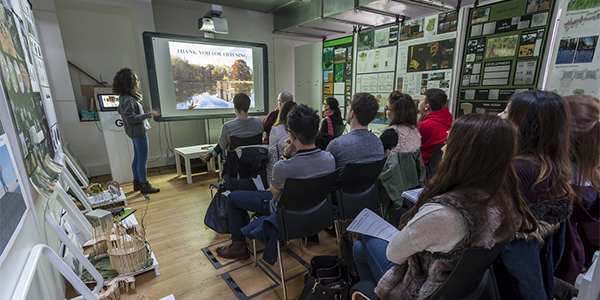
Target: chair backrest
239,171
357,189
235,141
339,130
432,165
305,207
468,273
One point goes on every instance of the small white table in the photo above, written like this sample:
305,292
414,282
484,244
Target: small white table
189,152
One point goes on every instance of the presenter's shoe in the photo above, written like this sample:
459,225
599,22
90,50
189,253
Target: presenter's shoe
237,250
146,188
136,185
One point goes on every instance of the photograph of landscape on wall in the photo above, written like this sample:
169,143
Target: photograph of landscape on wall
207,76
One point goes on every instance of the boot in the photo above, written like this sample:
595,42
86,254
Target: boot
146,188
136,185
237,250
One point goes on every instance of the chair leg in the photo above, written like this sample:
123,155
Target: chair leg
281,270
338,236
254,252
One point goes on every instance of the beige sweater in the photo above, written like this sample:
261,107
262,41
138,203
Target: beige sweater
435,228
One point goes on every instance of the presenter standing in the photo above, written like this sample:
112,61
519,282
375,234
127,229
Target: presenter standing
126,84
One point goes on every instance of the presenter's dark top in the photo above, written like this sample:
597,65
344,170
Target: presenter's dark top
135,121
335,121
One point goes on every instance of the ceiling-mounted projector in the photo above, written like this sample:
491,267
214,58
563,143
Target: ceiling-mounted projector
212,22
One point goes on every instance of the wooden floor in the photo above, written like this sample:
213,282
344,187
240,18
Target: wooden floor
175,230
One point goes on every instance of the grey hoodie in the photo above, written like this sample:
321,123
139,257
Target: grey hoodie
134,119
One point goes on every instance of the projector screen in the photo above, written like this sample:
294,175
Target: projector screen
197,78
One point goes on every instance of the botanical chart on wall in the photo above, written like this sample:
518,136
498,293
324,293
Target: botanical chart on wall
575,62
376,65
29,109
426,52
12,201
502,53
337,70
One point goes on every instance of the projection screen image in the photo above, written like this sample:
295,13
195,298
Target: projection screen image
209,76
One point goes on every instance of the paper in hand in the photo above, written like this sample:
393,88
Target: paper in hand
369,223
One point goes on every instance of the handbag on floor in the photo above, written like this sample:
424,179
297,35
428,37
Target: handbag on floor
327,278
216,214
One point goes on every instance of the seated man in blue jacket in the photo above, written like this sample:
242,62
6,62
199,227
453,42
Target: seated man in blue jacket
308,162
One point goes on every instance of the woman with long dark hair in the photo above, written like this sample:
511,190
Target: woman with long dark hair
277,137
333,117
583,227
403,134
126,84
526,266
472,201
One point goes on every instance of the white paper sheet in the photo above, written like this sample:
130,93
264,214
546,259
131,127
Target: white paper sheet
369,223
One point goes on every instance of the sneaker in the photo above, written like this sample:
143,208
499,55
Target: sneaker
146,188
206,157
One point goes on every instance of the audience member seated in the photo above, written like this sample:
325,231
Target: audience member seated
435,121
309,161
583,227
271,119
333,117
525,268
472,201
242,126
360,145
277,137
403,134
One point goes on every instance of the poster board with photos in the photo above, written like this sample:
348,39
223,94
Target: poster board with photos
376,65
13,207
337,70
28,95
503,53
575,62
426,54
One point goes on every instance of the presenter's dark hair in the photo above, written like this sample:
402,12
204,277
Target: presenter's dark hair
436,98
544,122
124,82
585,141
283,113
241,102
478,162
403,108
334,105
303,122
365,108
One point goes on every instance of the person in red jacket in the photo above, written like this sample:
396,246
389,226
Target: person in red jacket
435,121
270,119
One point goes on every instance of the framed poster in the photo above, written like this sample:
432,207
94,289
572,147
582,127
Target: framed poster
337,70
503,53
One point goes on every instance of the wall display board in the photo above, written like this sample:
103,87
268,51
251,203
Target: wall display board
12,202
575,62
376,65
26,104
502,53
426,53
337,70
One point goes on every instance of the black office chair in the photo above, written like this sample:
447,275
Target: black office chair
432,165
357,190
304,209
472,277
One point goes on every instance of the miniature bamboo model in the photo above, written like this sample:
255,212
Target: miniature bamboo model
113,288
142,296
127,252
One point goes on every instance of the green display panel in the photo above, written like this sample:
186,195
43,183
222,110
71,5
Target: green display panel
503,53
337,70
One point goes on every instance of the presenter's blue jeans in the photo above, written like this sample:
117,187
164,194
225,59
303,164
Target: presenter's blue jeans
238,203
369,255
140,158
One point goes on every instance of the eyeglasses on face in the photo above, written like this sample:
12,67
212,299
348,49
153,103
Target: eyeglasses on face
386,108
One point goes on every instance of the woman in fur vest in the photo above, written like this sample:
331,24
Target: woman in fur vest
472,201
525,268
403,134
